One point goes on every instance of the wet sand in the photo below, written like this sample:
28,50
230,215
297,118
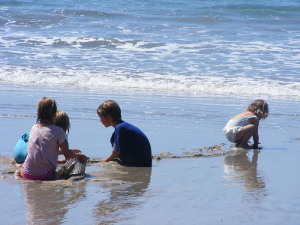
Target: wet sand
195,178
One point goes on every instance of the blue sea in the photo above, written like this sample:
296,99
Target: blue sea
179,71
223,47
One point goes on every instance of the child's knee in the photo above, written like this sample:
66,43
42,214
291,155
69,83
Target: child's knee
249,128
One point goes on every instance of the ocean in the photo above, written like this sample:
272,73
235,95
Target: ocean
179,70
195,46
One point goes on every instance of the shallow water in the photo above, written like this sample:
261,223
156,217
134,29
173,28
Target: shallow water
179,70
174,191
240,187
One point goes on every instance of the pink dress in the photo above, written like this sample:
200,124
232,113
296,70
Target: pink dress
43,150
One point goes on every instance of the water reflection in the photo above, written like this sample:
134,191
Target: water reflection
242,170
48,202
126,186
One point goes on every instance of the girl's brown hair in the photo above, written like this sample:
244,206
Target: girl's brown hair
62,120
46,110
260,108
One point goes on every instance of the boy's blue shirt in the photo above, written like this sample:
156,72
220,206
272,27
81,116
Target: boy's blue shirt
133,145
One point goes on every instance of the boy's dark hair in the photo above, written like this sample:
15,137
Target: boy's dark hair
110,108
260,108
46,109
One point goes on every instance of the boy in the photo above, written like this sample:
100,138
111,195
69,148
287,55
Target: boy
130,146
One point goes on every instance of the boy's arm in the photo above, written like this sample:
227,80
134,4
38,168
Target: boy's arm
113,155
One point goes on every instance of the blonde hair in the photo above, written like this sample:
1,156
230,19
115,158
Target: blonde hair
62,120
260,108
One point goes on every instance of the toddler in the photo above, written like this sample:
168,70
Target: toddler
62,120
243,126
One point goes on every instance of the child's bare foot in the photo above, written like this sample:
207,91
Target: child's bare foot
244,146
18,175
237,144
16,164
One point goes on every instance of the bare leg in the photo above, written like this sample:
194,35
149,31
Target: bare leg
244,136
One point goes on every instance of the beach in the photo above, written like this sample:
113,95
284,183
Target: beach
231,187
179,71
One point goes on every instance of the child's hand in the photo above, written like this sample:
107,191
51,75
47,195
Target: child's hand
76,150
104,160
255,146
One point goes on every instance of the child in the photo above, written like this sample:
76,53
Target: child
62,120
20,150
243,126
43,146
130,146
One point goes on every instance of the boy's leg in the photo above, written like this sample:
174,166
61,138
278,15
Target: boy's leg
244,135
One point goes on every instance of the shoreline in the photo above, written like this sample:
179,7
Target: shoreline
177,126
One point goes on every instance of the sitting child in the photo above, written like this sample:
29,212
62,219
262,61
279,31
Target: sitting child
20,150
62,120
130,146
44,143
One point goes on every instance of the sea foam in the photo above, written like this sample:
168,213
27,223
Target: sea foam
145,81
